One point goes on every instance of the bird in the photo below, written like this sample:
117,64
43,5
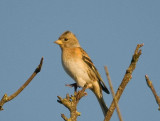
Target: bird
78,65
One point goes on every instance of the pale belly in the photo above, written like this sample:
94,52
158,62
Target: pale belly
77,71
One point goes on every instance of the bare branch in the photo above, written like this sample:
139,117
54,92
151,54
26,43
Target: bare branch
150,85
6,98
126,79
71,102
113,94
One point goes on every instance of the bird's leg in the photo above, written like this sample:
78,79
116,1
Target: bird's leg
73,85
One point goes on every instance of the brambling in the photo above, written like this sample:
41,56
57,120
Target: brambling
79,66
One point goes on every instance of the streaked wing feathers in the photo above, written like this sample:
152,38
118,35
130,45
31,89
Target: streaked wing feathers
88,61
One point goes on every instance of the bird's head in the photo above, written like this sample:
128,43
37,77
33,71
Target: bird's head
67,39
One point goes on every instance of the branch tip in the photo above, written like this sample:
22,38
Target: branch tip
67,97
146,76
38,69
59,98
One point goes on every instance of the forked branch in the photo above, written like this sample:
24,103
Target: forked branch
71,102
6,98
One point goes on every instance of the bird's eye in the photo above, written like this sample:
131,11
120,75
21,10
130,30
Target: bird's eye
65,39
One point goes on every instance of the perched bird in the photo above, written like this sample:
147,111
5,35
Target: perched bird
79,66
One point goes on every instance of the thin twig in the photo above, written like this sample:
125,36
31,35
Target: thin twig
6,98
126,79
150,85
113,94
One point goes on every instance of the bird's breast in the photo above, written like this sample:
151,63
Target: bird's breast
76,68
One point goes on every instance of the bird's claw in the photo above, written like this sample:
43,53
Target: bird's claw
73,85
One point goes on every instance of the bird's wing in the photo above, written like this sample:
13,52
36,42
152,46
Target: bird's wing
88,61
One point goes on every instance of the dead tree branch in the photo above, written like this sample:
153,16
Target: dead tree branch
6,98
150,85
126,79
71,102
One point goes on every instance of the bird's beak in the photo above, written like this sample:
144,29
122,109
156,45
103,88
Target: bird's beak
59,42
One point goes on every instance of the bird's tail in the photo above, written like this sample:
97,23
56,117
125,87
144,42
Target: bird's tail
102,105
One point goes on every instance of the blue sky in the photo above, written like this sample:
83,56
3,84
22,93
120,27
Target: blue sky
108,30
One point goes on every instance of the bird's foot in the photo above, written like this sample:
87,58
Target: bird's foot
73,85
